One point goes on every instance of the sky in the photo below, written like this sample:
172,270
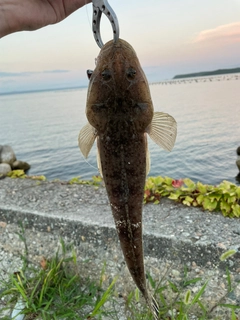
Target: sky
170,37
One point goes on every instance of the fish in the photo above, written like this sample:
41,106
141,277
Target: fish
120,115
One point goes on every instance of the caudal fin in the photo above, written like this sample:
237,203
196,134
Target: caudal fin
155,308
153,305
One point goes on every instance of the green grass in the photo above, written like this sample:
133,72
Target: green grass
178,303
56,290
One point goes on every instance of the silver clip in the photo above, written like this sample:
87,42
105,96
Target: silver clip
99,7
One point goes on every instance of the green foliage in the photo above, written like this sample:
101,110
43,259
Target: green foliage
16,174
177,301
41,178
227,254
21,174
225,197
56,290
96,181
187,297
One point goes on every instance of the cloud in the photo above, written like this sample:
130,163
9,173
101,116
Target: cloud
14,74
56,71
228,33
29,73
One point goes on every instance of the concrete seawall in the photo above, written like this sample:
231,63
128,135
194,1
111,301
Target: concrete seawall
173,233
171,230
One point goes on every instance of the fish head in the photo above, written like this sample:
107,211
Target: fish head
118,89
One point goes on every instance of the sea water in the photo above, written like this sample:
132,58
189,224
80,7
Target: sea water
43,128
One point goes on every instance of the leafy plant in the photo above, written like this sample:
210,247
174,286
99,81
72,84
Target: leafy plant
96,181
21,174
17,174
225,197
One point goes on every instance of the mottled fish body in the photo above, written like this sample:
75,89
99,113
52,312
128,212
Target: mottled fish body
120,113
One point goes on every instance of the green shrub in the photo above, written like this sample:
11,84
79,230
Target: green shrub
225,197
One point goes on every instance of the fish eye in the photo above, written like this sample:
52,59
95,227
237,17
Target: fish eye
106,74
89,73
131,73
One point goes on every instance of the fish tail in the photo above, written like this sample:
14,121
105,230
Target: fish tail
154,308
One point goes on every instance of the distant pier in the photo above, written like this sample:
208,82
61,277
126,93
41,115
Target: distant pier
225,77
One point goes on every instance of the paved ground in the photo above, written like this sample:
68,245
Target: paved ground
174,235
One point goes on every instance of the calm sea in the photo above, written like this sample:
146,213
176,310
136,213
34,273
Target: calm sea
43,127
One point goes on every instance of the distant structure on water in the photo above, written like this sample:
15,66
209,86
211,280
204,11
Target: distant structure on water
208,73
226,77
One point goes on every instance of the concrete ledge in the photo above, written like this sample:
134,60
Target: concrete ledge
175,236
81,213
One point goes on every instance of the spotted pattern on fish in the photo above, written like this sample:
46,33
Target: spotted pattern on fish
120,114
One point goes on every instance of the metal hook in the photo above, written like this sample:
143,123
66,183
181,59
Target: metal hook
99,7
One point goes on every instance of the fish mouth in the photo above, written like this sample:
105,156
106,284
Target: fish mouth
121,105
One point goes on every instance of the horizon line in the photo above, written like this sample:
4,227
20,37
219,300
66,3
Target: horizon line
42,90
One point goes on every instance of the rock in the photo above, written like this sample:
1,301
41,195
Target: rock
238,164
238,158
5,168
175,273
7,155
3,224
22,165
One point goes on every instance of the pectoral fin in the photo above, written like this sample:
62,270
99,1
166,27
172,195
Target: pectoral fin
163,130
86,139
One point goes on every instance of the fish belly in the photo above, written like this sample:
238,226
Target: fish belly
124,173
